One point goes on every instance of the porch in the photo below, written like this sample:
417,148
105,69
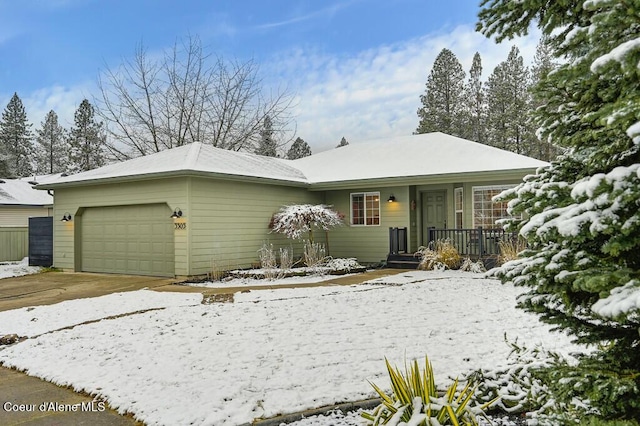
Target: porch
475,243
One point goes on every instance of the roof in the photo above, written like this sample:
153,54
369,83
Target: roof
411,156
17,192
428,154
195,158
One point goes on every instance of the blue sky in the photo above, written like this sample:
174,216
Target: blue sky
356,67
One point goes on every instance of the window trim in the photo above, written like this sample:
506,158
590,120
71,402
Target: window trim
456,191
501,187
364,217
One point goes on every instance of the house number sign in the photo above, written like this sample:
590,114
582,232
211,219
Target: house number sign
182,225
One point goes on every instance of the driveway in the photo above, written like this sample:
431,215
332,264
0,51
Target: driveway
19,391
53,287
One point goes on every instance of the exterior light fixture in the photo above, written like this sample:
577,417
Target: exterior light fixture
66,217
176,213
391,199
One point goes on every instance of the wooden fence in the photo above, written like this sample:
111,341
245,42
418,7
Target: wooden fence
14,243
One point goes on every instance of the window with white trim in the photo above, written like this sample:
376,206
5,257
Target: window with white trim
365,208
485,211
458,206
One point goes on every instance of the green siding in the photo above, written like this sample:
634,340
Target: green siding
14,244
67,245
369,244
230,221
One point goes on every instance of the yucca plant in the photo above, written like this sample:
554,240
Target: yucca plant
415,400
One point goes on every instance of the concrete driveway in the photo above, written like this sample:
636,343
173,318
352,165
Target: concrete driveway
53,287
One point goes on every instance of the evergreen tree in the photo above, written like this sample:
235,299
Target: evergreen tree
52,150
473,105
16,147
543,64
580,214
343,142
508,99
267,145
442,101
299,149
86,140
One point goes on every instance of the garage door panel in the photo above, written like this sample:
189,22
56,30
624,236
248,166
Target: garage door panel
128,240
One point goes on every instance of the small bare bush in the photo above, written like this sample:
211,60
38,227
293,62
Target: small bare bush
510,249
286,258
216,271
268,261
314,254
439,256
469,265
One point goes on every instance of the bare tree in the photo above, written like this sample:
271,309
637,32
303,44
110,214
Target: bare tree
186,95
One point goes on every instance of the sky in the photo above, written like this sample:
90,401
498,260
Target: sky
355,68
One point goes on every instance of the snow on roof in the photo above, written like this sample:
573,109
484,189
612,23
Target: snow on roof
19,192
196,157
406,156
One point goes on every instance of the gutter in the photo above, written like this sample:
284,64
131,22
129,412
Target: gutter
170,174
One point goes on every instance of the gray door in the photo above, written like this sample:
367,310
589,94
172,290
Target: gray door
134,240
434,212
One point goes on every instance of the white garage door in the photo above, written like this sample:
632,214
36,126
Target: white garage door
134,240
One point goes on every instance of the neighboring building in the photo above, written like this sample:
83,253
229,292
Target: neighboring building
188,210
19,200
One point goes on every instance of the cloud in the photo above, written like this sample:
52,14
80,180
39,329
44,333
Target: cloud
376,92
326,12
63,100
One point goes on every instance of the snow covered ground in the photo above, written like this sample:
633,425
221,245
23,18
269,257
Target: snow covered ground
271,351
16,269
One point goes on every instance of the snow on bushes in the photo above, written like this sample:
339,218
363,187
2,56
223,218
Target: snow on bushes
295,220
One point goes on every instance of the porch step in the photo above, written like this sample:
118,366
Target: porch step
402,261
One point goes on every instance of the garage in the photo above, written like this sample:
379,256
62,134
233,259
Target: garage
135,240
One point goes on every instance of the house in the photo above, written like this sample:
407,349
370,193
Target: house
184,211
19,200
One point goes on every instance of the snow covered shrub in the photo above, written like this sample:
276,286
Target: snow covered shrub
415,401
295,220
518,388
286,258
439,256
268,261
476,267
314,254
342,264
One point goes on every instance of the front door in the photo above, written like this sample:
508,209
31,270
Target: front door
434,212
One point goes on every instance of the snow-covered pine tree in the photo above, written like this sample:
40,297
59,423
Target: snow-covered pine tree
473,105
52,149
16,147
343,142
441,109
581,215
508,104
86,140
267,145
299,149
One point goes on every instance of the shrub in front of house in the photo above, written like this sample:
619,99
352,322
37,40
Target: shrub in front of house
439,255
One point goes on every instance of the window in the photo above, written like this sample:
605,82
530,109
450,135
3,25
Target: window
458,200
365,208
485,211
